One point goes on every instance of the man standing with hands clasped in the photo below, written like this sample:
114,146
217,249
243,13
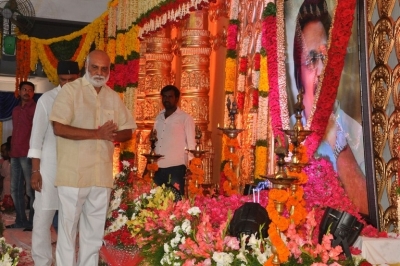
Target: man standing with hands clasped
87,118
42,151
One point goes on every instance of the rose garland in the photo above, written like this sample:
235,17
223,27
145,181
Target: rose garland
339,37
269,43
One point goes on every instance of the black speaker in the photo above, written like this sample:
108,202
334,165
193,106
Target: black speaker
343,226
247,219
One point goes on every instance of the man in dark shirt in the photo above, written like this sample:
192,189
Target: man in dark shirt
22,117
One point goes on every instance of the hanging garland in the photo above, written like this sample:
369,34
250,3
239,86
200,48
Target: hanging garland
339,38
23,66
65,50
41,49
196,178
279,223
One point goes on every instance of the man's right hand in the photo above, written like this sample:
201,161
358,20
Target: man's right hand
107,131
36,181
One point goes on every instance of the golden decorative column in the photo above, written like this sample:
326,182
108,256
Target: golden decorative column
195,53
141,132
158,72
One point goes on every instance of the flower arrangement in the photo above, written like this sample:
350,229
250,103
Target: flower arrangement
191,232
163,231
304,251
9,255
121,208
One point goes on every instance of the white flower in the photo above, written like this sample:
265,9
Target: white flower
115,203
166,248
177,228
176,240
222,258
125,163
262,258
114,226
242,257
186,228
172,217
194,211
118,193
121,220
253,241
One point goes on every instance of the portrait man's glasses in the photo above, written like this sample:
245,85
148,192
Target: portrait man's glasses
312,60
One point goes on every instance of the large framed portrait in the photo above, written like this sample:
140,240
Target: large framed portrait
346,140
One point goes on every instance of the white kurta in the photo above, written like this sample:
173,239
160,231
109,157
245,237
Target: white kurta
175,134
42,145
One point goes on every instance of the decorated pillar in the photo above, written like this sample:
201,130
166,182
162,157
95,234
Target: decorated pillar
141,133
158,72
195,53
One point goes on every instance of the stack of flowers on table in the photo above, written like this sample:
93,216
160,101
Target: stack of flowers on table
158,229
127,186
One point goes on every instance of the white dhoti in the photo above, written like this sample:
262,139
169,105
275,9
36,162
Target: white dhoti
88,206
41,234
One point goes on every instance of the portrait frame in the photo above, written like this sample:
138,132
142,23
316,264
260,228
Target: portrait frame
358,95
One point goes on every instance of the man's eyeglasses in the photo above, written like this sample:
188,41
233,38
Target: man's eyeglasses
312,60
26,89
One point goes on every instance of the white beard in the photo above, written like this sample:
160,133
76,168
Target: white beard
97,81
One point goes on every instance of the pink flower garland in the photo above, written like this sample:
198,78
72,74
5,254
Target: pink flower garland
269,43
232,37
340,34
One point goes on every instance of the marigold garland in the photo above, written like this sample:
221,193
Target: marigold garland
277,222
260,161
40,49
230,75
196,178
231,184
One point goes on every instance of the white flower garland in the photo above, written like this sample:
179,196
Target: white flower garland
254,129
130,97
172,15
234,9
262,130
112,24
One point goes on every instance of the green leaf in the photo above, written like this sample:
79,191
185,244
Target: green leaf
270,10
65,50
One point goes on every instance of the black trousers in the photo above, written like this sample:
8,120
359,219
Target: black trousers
171,176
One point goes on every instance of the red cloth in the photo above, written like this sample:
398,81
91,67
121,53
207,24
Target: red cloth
22,118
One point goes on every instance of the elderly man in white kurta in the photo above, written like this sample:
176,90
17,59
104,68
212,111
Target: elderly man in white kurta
42,150
88,117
